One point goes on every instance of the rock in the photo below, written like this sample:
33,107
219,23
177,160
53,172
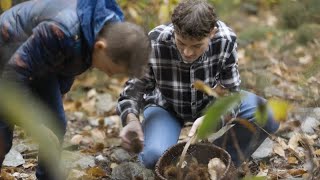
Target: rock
13,159
75,174
102,161
216,168
120,155
112,121
317,112
273,91
309,125
75,159
130,170
80,139
21,148
264,150
104,104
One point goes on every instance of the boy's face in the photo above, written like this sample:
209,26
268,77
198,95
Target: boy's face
190,48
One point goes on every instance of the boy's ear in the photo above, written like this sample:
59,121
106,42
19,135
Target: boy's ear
100,44
213,32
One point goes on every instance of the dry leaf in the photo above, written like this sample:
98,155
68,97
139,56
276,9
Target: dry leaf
76,139
113,165
296,172
292,160
96,172
201,86
294,141
276,70
317,152
263,172
6,176
282,143
216,168
28,165
247,125
98,135
278,149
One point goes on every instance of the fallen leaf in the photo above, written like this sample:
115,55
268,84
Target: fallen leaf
296,172
294,141
263,173
282,143
113,165
96,172
292,160
98,135
317,152
278,149
201,86
76,139
6,176
247,125
28,165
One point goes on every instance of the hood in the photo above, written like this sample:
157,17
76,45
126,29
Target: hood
93,14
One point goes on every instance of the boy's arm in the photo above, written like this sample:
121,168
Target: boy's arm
42,52
229,74
131,98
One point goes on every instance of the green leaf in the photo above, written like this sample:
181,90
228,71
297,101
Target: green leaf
212,115
280,109
5,4
21,109
261,114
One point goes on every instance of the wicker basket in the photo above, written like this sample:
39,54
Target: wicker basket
203,152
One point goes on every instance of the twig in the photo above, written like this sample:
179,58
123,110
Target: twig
183,154
236,145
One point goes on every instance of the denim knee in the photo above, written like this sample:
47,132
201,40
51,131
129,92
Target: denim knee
272,125
150,157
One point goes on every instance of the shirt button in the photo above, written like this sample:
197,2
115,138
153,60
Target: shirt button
193,103
192,86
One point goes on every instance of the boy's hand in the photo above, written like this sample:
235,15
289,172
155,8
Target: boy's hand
132,136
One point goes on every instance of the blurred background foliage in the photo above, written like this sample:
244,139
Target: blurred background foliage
291,14
285,30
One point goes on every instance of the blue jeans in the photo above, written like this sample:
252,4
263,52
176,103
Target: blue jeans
162,129
48,91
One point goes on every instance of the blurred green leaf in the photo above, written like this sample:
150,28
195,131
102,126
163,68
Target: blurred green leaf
5,4
212,115
20,109
280,109
261,114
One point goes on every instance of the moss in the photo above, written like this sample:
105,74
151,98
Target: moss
292,14
255,33
307,33
312,69
295,13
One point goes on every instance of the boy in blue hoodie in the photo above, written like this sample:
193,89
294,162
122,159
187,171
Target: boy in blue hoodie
45,44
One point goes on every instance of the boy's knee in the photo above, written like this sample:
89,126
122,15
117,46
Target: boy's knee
272,125
150,157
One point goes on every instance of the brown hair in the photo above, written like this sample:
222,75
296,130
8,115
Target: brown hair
194,19
128,45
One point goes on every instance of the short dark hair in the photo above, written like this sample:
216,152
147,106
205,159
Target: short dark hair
128,45
194,19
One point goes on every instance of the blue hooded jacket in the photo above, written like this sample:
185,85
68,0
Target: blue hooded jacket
41,37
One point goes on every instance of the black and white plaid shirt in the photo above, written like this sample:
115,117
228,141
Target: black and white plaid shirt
169,80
